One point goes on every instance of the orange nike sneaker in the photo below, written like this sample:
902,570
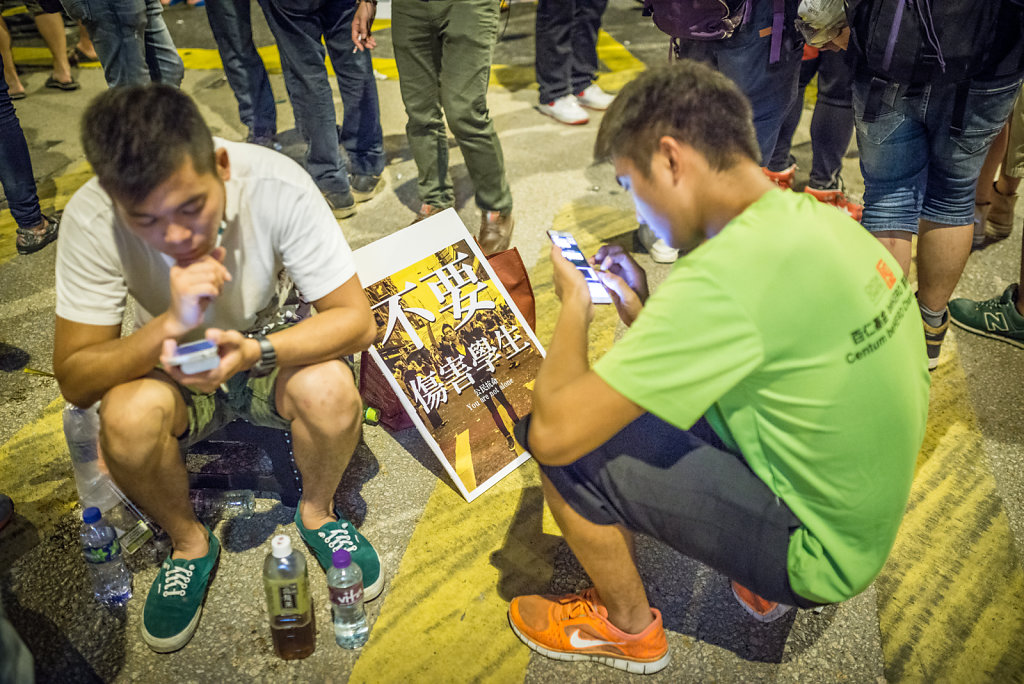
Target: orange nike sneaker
576,627
837,198
761,609
784,179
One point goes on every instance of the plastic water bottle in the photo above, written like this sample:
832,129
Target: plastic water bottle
111,581
95,488
211,504
345,584
286,583
82,430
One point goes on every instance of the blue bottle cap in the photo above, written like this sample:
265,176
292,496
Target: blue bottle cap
91,515
341,558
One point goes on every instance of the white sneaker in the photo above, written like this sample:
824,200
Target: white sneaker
595,98
655,246
566,110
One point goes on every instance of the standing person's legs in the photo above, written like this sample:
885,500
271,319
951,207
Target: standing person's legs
553,57
1003,192
162,58
117,29
34,230
51,28
302,59
15,87
781,160
832,122
469,37
417,42
361,134
231,24
585,27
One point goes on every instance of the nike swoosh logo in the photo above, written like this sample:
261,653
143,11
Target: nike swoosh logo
579,641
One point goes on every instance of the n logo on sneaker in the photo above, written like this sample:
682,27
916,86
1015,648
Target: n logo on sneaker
579,641
996,321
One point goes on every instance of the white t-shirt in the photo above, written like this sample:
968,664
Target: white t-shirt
276,219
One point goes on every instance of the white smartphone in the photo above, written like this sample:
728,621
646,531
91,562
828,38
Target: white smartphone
196,357
571,251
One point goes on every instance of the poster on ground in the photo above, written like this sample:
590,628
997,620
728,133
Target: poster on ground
453,346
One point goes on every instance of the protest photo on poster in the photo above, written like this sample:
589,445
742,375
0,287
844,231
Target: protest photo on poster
453,345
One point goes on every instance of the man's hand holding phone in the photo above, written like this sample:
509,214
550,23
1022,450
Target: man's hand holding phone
229,357
194,285
625,280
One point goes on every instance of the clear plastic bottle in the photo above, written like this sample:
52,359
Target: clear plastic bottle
111,581
286,583
82,430
345,584
213,504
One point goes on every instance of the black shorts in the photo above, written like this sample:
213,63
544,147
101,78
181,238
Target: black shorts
685,488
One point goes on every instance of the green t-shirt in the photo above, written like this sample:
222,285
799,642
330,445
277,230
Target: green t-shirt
791,333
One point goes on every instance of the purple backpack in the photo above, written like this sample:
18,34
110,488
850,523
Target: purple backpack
710,20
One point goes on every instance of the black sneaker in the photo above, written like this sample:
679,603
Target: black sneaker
343,204
264,139
365,187
175,600
933,337
31,240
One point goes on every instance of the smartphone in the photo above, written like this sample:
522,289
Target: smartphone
196,357
571,251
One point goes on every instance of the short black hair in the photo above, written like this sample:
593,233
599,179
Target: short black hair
135,137
687,100
446,325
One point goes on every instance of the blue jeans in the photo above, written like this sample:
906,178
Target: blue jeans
914,165
744,58
131,39
298,26
15,165
231,24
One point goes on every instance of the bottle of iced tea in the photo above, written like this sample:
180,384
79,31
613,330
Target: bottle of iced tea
291,611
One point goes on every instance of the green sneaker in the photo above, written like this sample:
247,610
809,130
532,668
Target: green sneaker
344,535
175,600
997,318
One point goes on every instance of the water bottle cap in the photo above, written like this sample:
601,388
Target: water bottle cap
341,558
281,546
91,515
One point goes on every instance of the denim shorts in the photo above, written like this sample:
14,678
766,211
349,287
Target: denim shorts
914,165
684,488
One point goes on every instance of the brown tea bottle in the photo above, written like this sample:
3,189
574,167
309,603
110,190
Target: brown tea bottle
286,583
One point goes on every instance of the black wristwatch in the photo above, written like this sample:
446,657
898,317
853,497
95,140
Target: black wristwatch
268,357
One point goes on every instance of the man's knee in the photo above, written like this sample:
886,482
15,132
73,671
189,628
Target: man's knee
324,394
136,416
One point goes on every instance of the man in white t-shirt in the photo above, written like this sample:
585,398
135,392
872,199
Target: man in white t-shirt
201,233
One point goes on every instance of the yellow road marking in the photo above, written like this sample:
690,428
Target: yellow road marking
951,597
464,461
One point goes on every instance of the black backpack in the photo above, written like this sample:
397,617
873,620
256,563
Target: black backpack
709,20
914,42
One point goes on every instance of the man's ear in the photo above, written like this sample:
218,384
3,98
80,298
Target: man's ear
220,157
680,157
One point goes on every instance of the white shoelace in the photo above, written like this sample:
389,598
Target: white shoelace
339,539
177,578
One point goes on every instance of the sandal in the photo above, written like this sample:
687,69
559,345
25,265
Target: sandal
18,96
61,85
33,239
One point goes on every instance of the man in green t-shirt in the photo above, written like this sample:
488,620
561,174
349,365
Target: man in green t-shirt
763,412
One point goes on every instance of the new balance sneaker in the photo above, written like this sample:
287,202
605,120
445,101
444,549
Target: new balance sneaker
343,204
657,248
342,534
933,337
838,199
576,627
592,97
996,318
761,609
365,187
496,231
784,178
567,110
1000,215
175,600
